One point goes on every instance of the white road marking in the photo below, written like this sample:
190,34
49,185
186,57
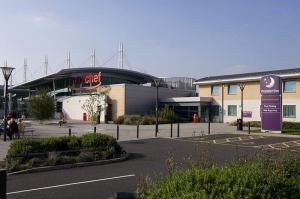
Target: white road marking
70,184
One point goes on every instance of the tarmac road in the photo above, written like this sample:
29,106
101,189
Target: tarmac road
146,158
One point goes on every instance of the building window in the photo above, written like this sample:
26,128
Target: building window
289,86
215,110
289,111
231,110
232,89
215,90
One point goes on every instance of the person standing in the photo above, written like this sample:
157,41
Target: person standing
9,130
13,127
21,127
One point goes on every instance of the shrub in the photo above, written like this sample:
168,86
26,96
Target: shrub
258,179
24,146
147,120
167,114
132,119
41,106
291,126
119,120
28,152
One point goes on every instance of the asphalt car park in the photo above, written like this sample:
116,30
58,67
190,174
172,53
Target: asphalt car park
147,157
252,141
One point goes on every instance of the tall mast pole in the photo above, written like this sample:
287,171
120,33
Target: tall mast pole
120,61
68,60
25,70
93,58
46,65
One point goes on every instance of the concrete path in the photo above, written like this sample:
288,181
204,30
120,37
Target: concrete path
126,132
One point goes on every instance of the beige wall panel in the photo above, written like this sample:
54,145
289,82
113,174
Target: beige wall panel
205,91
252,90
116,97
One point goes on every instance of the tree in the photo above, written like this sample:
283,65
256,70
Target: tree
96,103
41,106
92,105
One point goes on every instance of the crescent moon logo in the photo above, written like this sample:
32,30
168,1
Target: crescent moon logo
271,84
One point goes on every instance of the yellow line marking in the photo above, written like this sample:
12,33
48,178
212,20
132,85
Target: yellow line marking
269,145
285,145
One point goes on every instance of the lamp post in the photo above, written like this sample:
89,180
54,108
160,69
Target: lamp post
6,73
157,83
242,86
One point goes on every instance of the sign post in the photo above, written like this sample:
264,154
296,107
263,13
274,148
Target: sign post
270,109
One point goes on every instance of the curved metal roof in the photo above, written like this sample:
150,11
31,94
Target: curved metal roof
132,76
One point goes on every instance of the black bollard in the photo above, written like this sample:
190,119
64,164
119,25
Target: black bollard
2,183
178,130
171,130
95,129
249,128
208,127
137,131
117,132
70,132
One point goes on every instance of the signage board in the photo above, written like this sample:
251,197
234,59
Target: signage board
270,109
247,114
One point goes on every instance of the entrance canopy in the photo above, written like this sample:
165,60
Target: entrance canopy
186,107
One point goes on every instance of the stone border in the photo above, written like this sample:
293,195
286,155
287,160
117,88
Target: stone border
69,166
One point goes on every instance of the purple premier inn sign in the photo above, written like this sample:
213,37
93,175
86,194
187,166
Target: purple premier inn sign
270,108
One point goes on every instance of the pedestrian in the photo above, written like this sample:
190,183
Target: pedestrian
21,127
8,127
61,118
13,127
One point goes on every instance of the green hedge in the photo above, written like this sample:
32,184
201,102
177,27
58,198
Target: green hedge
147,120
259,179
286,126
27,152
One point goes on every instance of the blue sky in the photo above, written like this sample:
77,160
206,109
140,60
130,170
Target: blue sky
160,37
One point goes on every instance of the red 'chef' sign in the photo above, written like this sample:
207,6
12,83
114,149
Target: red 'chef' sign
92,78
88,78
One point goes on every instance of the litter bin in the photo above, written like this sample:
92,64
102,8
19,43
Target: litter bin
239,124
84,117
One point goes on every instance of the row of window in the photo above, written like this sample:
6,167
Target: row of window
288,87
289,111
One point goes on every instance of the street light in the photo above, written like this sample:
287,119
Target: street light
157,83
6,73
242,86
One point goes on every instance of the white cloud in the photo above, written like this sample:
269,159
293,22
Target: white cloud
45,21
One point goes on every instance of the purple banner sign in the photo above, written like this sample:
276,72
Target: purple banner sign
247,114
270,85
270,89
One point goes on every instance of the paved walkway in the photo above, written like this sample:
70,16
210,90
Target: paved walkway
126,132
